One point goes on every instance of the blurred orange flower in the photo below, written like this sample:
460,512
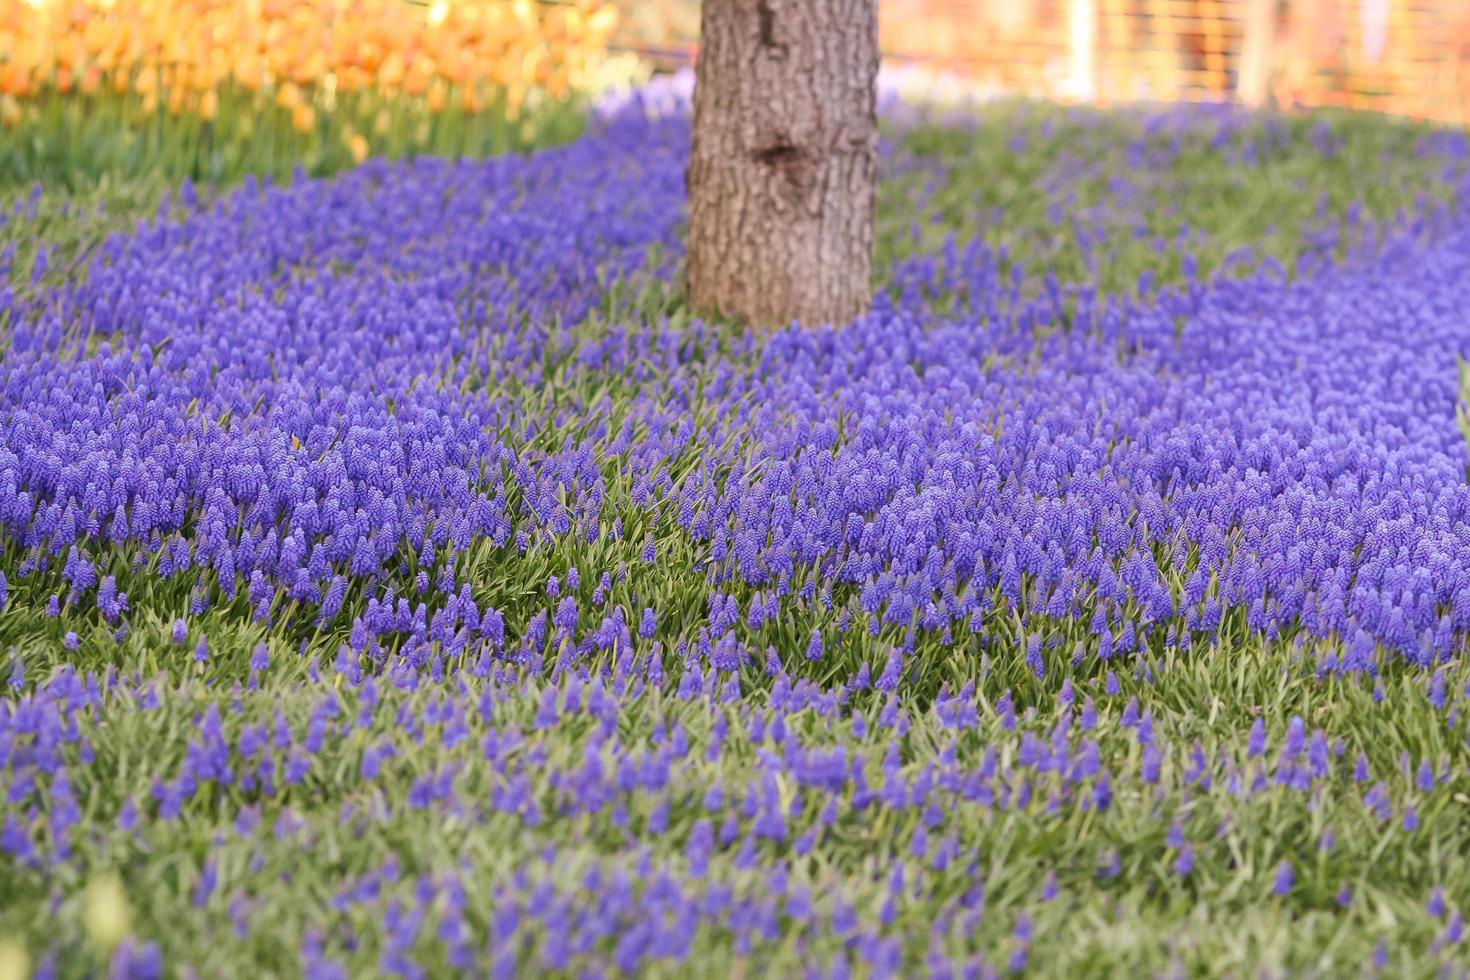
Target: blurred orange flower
301,52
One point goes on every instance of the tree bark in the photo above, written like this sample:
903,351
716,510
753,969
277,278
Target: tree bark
783,168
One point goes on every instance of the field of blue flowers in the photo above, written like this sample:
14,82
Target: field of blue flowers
397,579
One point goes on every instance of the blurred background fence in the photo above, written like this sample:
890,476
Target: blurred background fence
1410,57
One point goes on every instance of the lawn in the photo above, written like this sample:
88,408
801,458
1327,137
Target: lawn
398,579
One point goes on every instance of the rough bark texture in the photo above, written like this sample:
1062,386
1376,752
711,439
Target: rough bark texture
783,167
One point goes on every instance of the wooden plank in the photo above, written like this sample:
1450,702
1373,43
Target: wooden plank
1082,48
1256,56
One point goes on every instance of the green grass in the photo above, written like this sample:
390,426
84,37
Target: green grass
1223,919
1262,196
72,142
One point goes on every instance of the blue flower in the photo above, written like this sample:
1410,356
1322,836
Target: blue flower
1284,879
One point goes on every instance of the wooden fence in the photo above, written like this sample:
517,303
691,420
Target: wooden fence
1409,57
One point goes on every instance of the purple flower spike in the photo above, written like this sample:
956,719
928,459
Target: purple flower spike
1284,879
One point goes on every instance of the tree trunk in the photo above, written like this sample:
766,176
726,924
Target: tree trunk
783,168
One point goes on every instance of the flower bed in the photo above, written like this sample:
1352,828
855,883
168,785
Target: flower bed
398,579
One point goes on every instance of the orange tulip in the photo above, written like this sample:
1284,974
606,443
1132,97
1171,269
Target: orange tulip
14,80
391,71
469,100
303,118
437,96
288,96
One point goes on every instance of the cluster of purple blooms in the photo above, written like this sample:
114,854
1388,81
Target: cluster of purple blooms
597,822
307,393
374,408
